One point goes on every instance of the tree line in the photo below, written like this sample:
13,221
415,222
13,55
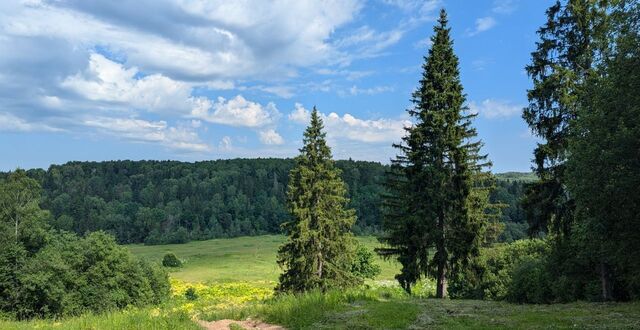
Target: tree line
157,202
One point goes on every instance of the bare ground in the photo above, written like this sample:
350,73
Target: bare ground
247,324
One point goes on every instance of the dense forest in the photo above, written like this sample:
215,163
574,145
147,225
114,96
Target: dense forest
173,202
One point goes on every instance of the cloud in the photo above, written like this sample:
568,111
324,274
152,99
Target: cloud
491,108
504,6
237,111
106,80
181,137
482,24
423,43
300,115
348,74
421,9
225,144
352,128
366,42
11,123
355,129
270,137
285,92
194,39
355,90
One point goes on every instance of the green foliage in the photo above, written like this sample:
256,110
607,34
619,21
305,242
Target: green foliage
170,260
570,42
603,170
161,202
191,294
490,276
74,275
438,192
364,265
320,245
584,104
530,282
45,273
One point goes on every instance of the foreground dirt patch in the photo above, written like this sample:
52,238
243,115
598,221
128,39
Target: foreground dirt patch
248,324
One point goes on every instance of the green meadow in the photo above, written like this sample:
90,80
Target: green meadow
234,277
251,259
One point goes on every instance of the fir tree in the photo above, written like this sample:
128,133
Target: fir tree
438,192
571,42
320,247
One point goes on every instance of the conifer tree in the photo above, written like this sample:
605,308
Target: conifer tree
320,247
437,190
571,42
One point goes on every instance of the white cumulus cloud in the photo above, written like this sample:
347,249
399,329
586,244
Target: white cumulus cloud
270,137
106,80
237,111
355,129
300,115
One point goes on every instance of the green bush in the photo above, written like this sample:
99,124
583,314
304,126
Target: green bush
530,283
191,293
364,265
170,260
74,275
489,276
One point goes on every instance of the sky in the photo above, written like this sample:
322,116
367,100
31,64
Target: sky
194,80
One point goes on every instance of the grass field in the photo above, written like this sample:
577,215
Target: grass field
234,278
251,259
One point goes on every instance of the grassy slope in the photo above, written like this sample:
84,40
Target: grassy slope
252,259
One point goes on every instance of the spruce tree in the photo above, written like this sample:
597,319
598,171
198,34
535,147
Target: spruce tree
320,247
571,42
437,190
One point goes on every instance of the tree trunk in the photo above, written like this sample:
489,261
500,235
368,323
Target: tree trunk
605,281
320,264
441,286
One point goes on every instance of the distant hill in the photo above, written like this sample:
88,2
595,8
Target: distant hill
517,176
157,202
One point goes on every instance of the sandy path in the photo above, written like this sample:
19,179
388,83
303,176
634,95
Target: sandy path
248,324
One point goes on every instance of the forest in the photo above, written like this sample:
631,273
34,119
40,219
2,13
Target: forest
160,202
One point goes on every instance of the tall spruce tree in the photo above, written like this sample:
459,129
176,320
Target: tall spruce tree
571,42
437,190
320,247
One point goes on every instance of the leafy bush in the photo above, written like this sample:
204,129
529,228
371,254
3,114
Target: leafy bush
191,294
73,275
530,283
170,260
490,275
364,265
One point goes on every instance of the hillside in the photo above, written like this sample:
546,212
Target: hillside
159,202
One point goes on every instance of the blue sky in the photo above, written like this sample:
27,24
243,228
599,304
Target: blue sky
196,80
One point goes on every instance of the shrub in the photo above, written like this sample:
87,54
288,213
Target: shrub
170,260
489,275
191,293
364,265
530,283
73,275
